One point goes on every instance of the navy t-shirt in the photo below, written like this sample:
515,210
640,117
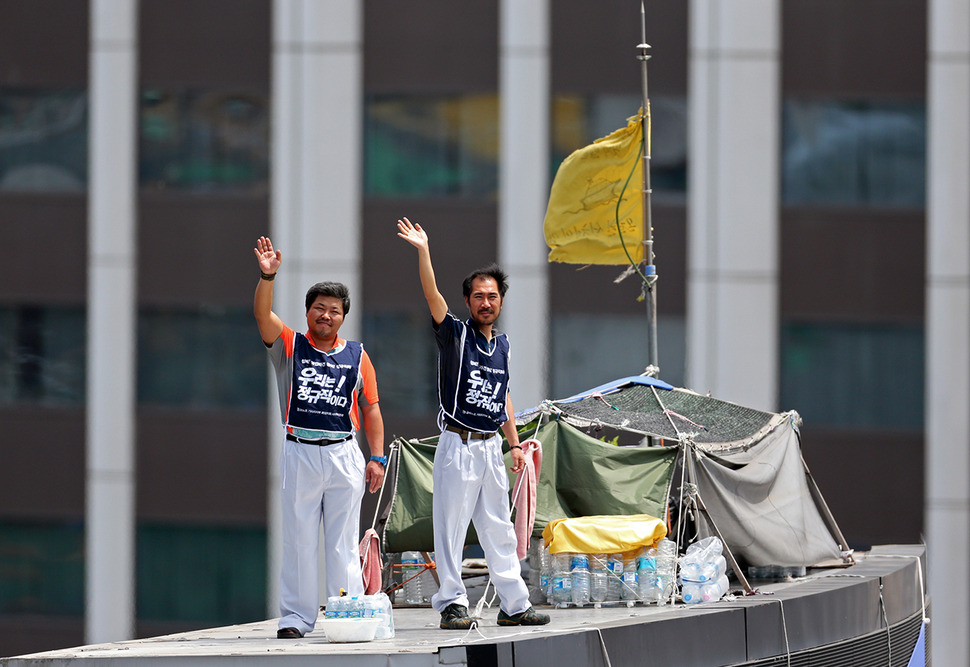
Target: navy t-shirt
473,375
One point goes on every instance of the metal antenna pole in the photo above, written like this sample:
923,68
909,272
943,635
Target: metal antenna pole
649,269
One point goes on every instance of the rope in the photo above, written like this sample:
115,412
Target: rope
377,511
885,618
919,578
616,216
684,444
784,627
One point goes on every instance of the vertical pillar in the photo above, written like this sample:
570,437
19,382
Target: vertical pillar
111,324
948,328
524,190
315,200
732,275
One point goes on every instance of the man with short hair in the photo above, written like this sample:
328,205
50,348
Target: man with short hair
470,482
325,384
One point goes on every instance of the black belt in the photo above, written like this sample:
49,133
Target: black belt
322,442
465,435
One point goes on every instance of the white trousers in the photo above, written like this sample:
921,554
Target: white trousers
470,483
319,483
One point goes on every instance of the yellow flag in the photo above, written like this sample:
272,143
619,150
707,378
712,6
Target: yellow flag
581,219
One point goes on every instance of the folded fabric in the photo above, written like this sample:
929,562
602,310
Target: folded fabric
524,494
603,534
370,561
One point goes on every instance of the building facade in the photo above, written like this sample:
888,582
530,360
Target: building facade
803,246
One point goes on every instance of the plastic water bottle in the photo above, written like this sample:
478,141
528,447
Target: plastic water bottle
716,589
562,580
629,589
647,575
579,569
411,563
692,592
666,568
379,606
545,570
615,581
599,578
336,607
428,585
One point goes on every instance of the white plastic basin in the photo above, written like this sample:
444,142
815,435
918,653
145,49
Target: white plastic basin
340,630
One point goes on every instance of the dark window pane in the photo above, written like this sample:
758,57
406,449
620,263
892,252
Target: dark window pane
43,140
206,575
209,140
854,153
854,376
408,387
431,146
41,569
211,357
42,355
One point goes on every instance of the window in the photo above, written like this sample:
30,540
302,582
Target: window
402,347
210,357
854,153
42,355
208,140
578,121
43,140
431,146
42,568
587,351
854,376
199,574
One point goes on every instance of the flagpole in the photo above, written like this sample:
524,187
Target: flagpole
649,269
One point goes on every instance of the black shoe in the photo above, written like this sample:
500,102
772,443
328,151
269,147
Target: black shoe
527,617
455,617
288,633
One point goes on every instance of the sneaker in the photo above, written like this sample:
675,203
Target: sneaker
455,617
288,633
527,617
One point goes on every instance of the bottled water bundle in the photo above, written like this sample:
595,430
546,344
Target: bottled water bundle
703,572
364,607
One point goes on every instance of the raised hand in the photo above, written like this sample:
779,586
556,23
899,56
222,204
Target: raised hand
269,259
412,233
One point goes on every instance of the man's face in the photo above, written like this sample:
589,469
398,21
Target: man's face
325,316
484,303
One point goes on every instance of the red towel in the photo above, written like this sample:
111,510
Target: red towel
370,561
524,493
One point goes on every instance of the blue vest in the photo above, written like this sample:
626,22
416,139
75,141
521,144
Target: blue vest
322,393
473,375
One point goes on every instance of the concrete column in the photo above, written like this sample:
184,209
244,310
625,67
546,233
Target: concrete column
111,323
732,222
524,191
948,328
315,200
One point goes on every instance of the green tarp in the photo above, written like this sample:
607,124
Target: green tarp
580,476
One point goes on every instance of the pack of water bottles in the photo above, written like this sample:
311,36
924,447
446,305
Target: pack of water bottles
703,572
646,575
363,607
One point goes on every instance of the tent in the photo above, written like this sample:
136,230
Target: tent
638,445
